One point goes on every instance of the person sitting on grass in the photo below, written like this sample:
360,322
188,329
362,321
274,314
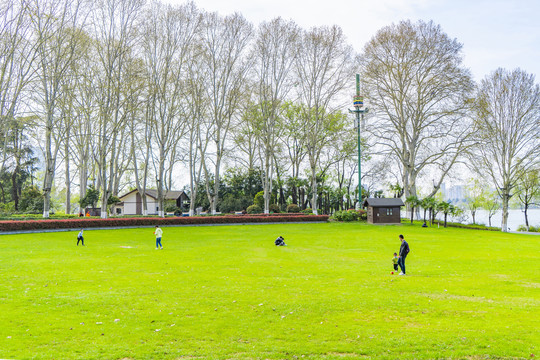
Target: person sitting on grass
280,241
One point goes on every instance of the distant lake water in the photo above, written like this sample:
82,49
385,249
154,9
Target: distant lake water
515,218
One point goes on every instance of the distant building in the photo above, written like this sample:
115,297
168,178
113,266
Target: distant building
131,203
454,194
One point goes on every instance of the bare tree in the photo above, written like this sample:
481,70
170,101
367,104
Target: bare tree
343,159
274,53
197,112
225,43
134,136
507,131
81,141
114,28
141,131
56,26
528,191
475,196
247,137
418,89
168,35
17,55
491,204
66,104
293,137
323,64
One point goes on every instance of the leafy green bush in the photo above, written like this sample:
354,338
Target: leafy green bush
31,200
347,215
232,203
171,208
259,199
307,211
8,208
293,208
254,209
531,228
362,214
274,208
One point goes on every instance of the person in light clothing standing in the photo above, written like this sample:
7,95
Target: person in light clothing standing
158,232
80,238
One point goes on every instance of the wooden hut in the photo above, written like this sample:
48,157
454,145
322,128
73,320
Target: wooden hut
383,211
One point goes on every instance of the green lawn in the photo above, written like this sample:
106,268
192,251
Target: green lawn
226,292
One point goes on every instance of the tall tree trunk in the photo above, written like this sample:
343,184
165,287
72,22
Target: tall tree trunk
15,186
267,183
314,189
83,178
160,183
505,200
526,217
68,182
49,168
294,194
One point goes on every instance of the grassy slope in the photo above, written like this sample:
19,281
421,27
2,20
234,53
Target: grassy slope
227,292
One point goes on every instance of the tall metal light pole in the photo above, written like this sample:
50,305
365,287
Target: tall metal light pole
358,103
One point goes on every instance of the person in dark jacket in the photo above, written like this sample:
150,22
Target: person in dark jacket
403,251
280,241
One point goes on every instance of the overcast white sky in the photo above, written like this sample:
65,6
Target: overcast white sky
496,33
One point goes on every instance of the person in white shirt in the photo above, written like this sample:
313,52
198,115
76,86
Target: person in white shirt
80,238
158,232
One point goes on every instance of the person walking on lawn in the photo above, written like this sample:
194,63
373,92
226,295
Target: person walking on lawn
158,232
403,251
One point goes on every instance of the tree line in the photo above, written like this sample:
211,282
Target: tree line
122,94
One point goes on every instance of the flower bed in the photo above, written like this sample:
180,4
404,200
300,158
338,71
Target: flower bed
150,221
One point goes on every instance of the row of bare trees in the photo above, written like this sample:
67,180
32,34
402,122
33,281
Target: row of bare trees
125,93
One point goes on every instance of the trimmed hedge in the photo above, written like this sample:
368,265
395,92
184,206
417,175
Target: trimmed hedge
151,221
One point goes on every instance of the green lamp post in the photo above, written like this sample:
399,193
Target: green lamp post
358,103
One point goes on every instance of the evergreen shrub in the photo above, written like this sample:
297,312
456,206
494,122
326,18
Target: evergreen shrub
259,199
254,209
531,228
293,208
346,215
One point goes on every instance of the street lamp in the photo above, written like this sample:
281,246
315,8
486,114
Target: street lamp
358,103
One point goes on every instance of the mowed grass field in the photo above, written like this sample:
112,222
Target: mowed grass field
226,292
